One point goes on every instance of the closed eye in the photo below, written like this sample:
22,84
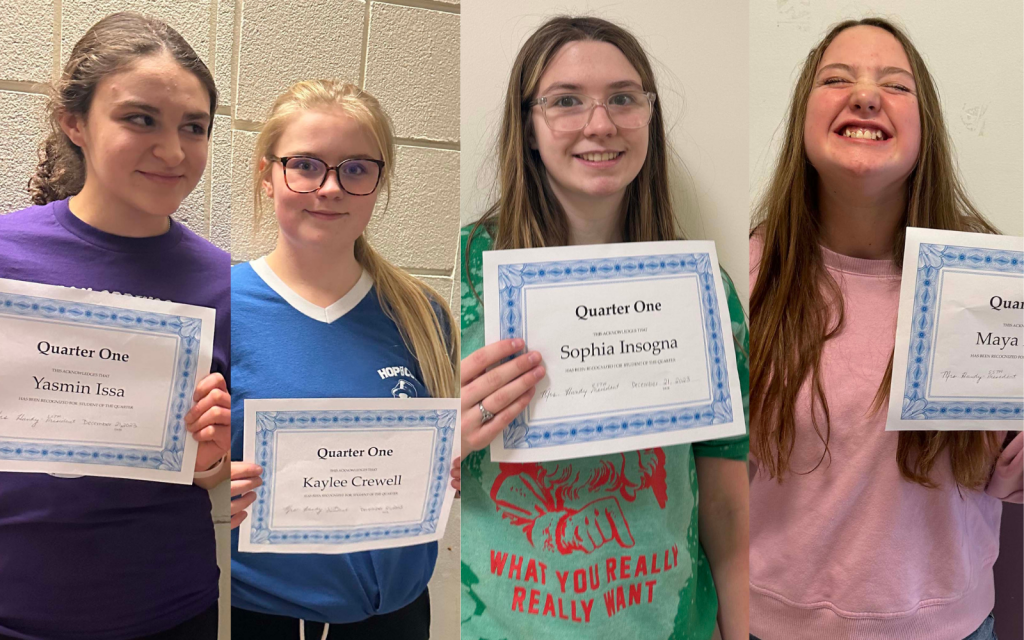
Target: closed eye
899,87
834,80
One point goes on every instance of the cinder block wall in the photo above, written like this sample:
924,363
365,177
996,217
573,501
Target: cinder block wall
406,52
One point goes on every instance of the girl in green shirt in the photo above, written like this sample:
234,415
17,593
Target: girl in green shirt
610,546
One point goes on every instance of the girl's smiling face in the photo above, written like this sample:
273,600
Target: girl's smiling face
329,216
862,113
577,162
145,137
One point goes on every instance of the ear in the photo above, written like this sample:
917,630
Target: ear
73,126
268,184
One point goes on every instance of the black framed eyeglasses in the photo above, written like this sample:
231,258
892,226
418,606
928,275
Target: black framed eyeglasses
573,111
306,174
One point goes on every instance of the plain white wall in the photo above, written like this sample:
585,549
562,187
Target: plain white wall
974,51
699,53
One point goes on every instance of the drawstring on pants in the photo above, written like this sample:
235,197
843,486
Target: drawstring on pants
302,630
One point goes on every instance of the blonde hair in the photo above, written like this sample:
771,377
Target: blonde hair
791,317
407,301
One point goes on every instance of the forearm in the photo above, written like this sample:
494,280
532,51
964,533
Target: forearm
724,528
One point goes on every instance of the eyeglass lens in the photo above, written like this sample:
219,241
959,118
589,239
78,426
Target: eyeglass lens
357,177
571,112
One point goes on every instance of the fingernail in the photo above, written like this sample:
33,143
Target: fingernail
517,343
539,372
534,357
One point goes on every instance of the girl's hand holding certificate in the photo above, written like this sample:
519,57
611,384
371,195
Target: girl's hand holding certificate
209,421
503,392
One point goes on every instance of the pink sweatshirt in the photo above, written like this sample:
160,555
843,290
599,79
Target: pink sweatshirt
851,549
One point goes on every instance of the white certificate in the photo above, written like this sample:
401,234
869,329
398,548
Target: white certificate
636,340
343,475
959,357
97,383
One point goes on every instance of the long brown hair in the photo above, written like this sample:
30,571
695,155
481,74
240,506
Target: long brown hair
407,301
796,305
527,213
109,46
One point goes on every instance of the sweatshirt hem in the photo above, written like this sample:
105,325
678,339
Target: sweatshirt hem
773,619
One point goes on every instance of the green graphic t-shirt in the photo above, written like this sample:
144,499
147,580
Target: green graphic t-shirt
599,547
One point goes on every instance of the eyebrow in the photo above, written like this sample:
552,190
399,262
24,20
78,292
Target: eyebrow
191,116
619,84
884,71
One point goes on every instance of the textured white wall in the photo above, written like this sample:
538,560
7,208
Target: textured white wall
699,52
406,52
974,51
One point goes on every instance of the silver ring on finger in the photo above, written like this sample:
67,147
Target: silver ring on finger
485,415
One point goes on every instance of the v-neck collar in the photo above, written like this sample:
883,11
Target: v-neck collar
327,314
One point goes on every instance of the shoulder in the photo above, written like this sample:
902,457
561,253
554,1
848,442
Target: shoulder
204,250
247,286
23,220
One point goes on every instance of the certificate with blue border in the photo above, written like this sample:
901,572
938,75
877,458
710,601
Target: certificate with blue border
96,383
958,363
346,475
636,340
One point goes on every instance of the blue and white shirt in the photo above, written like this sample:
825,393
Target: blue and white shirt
283,346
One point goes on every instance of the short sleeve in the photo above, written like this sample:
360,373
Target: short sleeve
736,447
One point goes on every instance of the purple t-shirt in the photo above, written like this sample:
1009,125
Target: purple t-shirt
90,558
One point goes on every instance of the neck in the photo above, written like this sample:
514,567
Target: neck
858,222
321,275
595,220
115,218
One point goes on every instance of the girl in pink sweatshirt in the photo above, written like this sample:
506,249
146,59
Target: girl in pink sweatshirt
857,532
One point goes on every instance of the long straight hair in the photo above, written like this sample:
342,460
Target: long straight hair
113,44
406,300
796,305
527,213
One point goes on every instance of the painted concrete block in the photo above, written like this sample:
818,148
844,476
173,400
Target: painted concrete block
27,43
412,67
247,243
420,228
23,124
285,41
220,183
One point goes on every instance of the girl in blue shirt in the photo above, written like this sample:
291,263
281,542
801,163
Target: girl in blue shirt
324,316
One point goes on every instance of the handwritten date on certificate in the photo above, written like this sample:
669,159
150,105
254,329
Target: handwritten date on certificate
598,388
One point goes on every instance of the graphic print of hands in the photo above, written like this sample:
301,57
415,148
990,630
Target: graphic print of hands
588,528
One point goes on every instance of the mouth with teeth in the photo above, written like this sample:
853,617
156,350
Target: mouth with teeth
863,133
600,158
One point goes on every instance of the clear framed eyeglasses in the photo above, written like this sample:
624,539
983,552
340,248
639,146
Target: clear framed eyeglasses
573,111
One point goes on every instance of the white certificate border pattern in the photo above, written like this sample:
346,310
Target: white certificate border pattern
932,259
170,455
512,278
269,422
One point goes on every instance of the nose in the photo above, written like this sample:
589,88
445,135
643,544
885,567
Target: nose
600,124
331,188
169,150
865,99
